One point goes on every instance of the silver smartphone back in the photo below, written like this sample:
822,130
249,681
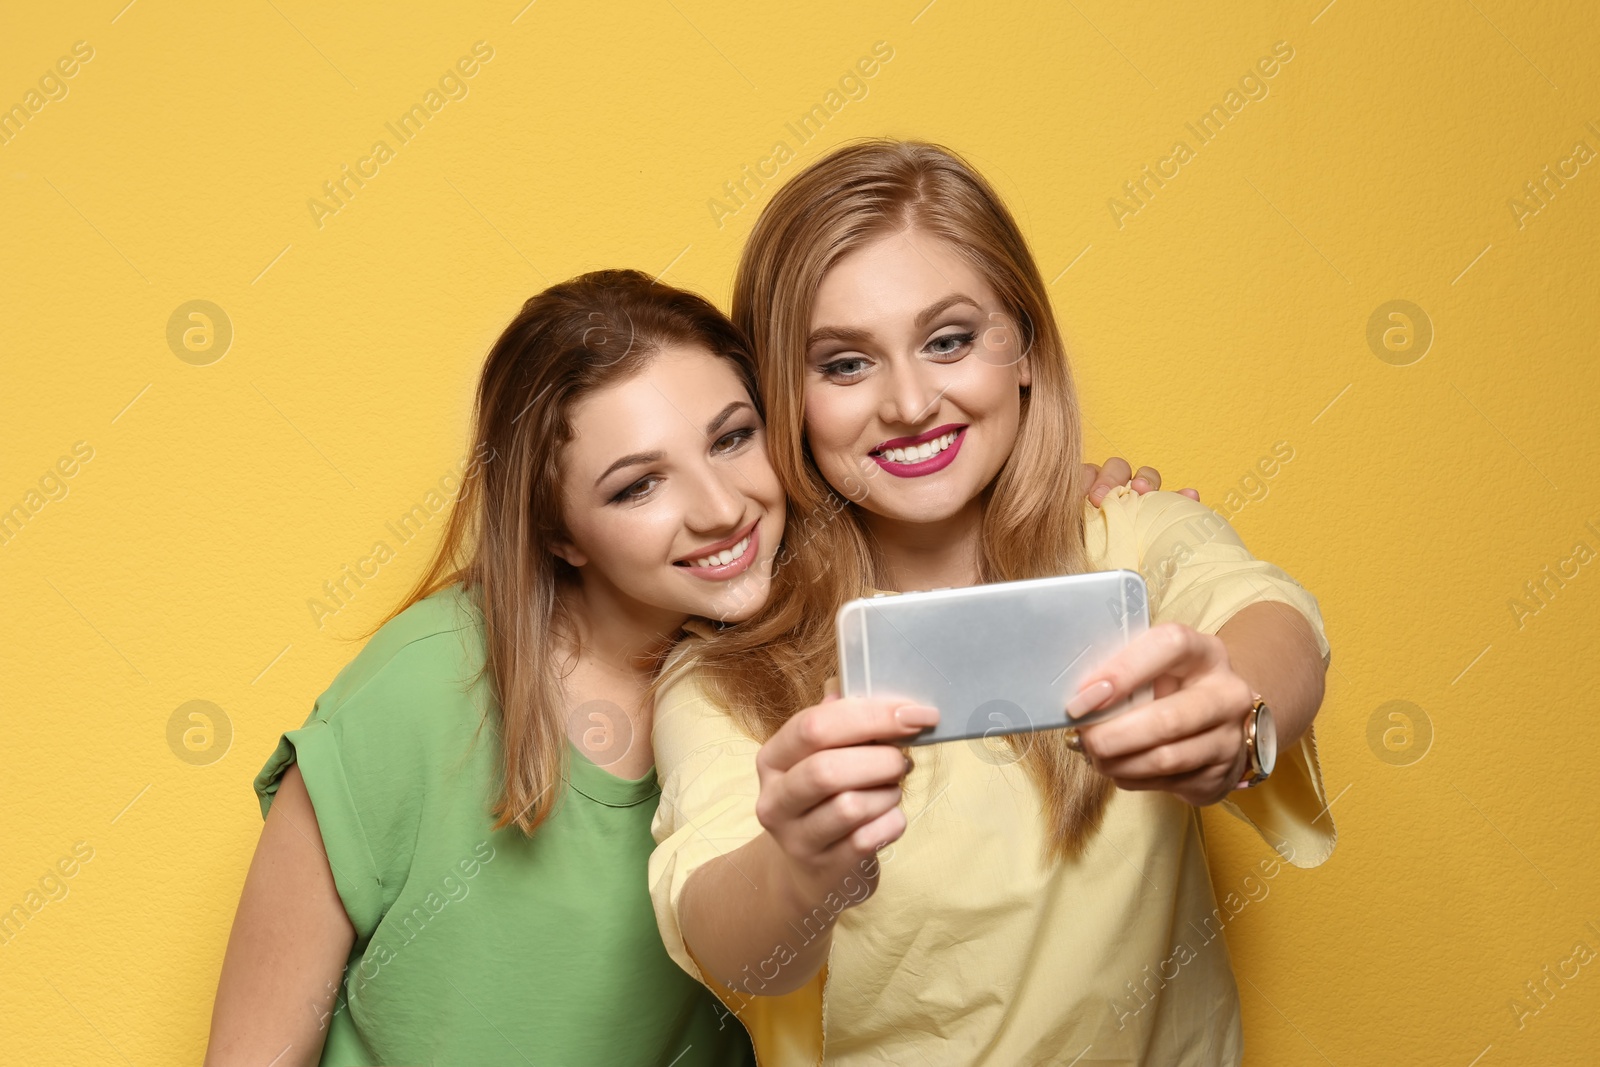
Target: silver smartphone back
994,659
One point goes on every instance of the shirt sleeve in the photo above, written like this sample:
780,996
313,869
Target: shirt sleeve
1200,573
315,747
370,753
709,788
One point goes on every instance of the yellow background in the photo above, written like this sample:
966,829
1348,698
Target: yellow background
1229,313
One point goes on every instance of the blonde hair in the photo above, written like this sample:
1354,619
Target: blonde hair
574,338
766,669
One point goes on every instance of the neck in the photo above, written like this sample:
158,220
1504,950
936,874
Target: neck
617,634
929,555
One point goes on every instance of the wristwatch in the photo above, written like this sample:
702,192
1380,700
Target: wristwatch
1261,742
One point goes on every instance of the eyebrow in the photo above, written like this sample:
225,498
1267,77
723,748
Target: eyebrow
635,459
724,415
632,459
855,335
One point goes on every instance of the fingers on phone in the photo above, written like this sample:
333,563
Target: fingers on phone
1167,649
1091,697
842,723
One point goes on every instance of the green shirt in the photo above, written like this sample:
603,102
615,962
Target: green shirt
477,946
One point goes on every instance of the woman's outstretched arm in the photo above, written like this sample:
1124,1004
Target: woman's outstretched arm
290,940
759,920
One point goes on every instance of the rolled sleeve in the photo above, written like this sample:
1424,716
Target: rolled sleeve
315,747
1200,573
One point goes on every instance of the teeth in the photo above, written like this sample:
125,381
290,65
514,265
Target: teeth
723,558
918,453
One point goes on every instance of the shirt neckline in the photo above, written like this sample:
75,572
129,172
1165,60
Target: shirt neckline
603,787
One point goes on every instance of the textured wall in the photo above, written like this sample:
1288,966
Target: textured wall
187,485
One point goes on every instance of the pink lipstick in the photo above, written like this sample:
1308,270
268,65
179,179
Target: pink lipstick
926,453
742,549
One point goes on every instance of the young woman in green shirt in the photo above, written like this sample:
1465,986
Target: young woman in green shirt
452,867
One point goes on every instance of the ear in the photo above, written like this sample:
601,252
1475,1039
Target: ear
569,552
1023,329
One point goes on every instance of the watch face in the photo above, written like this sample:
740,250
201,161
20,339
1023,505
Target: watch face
1266,740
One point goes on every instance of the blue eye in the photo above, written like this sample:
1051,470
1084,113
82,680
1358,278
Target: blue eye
849,368
955,341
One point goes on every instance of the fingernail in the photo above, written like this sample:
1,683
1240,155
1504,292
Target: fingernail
1098,493
1090,699
918,715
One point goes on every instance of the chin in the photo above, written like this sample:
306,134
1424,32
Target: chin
738,603
925,507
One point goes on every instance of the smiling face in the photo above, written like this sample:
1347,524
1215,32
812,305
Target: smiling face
670,504
913,380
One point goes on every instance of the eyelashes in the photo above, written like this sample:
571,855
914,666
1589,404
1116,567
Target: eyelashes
728,443
962,340
629,492
849,368
834,371
738,437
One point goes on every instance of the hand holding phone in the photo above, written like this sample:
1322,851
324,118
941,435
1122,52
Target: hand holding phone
1190,740
830,790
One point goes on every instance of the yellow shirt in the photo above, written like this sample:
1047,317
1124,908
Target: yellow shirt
973,950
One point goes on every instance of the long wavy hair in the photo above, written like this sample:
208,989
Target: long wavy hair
572,339
766,669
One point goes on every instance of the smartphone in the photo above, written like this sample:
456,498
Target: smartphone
994,659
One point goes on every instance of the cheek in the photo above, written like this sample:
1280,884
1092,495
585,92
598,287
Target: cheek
835,420
759,481
987,390
624,546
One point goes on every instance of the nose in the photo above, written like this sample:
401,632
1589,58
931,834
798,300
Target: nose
909,396
717,503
